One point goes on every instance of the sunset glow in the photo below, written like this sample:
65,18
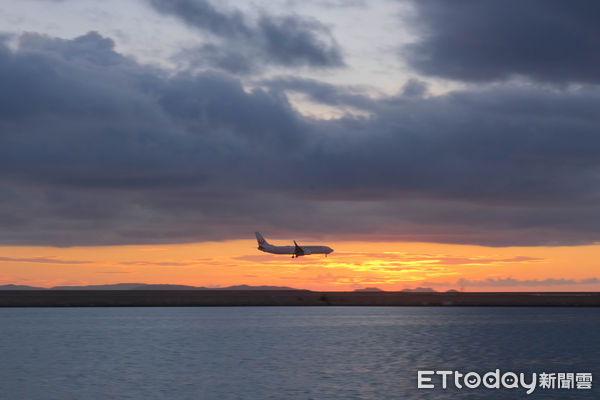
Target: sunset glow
353,265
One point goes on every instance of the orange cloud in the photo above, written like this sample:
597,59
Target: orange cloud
387,265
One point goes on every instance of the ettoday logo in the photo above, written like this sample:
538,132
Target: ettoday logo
507,380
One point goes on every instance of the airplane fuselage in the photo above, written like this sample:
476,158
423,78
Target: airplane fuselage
292,250
295,251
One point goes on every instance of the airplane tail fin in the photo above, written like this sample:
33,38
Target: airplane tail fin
260,239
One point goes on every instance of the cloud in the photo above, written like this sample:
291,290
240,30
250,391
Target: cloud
43,260
449,260
98,149
321,92
549,41
331,3
500,282
159,263
259,258
91,47
242,47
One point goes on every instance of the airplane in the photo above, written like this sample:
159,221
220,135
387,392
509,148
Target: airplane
295,250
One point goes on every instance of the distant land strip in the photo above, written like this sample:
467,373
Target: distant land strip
198,298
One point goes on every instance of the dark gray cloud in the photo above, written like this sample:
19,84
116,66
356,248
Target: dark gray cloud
233,58
97,149
92,47
550,41
330,3
244,46
320,92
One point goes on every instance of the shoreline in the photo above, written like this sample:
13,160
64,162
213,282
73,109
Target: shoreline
212,298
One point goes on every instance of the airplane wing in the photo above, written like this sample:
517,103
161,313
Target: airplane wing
298,251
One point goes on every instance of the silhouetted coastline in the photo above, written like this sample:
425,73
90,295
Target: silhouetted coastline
195,298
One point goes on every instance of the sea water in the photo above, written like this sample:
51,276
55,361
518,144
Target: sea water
288,352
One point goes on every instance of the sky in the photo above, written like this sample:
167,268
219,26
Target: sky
451,145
